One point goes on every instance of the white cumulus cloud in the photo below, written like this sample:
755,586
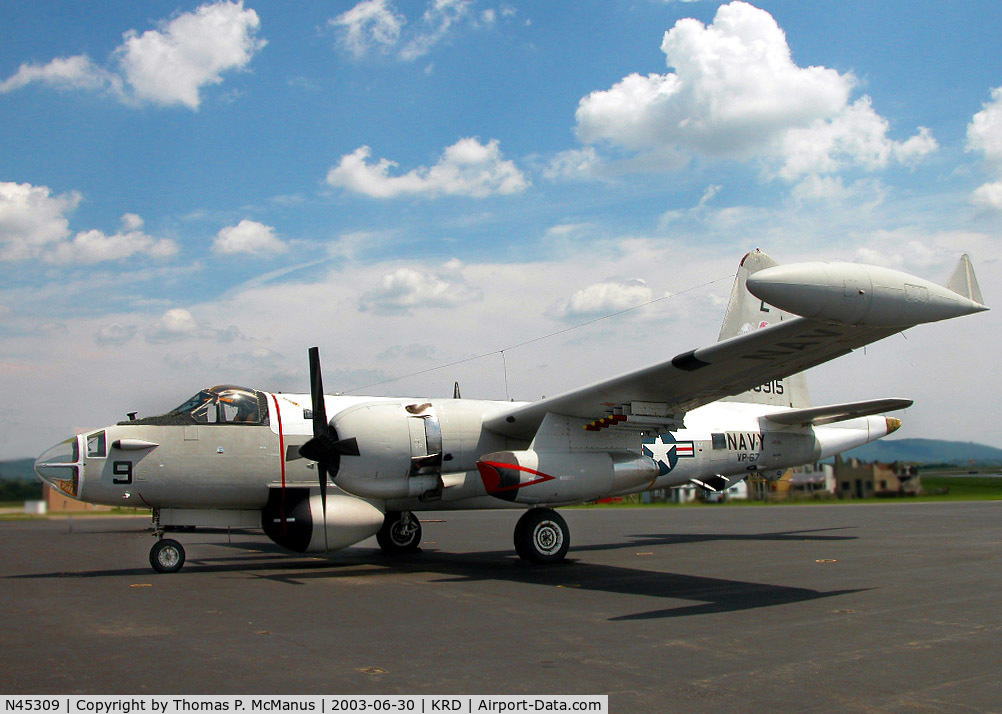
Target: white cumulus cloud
249,237
76,72
988,196
603,298
33,225
406,289
984,135
175,324
32,219
169,65
737,93
94,246
467,168
370,24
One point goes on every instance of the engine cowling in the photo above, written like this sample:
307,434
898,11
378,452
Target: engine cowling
296,520
400,449
555,478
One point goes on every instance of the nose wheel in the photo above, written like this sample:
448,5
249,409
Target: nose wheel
166,555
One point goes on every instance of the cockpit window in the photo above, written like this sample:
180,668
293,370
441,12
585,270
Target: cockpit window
97,445
195,402
223,404
238,406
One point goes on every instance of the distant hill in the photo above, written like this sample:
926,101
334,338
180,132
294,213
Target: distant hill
18,470
928,451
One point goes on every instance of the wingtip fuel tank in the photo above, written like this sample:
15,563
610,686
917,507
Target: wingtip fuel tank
862,295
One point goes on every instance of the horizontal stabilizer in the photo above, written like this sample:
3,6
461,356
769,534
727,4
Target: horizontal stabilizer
816,416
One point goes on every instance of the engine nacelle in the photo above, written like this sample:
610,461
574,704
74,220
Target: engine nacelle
296,520
398,449
554,478
404,446
854,294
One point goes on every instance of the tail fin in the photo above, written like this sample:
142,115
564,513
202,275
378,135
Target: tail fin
963,281
745,313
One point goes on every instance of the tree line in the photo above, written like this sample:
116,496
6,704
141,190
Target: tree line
20,490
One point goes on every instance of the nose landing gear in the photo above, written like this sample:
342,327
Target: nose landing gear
166,555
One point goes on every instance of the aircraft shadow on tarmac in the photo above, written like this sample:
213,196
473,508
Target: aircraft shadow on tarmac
711,595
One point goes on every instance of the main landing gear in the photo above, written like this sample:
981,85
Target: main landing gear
542,536
166,555
400,533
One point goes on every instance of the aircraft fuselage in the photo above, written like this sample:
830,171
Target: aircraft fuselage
427,461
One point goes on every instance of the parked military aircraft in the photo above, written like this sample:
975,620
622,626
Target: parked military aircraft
232,456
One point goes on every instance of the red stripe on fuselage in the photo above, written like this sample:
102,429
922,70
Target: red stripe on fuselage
281,457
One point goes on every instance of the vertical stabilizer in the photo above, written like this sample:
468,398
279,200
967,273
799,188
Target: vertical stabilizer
746,313
963,282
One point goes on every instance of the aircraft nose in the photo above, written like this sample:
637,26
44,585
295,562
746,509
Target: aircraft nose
60,466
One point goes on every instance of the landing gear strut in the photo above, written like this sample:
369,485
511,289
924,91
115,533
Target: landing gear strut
166,555
400,533
542,536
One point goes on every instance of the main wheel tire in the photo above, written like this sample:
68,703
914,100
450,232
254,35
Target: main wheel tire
167,556
542,536
399,533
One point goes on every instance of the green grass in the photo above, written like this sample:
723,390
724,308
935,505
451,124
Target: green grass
22,516
936,488
965,488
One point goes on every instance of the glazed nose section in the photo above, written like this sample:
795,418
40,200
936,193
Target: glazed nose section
60,467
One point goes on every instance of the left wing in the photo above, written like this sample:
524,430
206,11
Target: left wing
670,389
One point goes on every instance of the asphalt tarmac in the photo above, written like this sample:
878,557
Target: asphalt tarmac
849,608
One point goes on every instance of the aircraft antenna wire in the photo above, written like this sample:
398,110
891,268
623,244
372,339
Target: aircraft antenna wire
540,338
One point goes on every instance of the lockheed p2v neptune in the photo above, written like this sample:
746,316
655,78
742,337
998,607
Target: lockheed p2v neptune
237,457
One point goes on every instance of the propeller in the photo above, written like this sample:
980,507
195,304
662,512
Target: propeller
325,448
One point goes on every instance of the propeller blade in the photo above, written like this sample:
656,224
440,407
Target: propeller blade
322,470
317,392
325,448
347,447
321,431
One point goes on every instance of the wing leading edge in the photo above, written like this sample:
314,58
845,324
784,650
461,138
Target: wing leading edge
667,390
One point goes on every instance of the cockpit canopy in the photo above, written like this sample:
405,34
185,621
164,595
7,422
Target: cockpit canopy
222,404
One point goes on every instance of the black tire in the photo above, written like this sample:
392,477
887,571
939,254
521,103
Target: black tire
399,534
167,556
542,536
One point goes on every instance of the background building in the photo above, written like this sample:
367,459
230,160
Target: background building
857,479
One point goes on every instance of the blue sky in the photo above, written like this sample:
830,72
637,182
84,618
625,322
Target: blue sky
193,194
